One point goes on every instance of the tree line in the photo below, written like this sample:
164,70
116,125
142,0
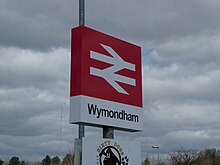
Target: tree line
182,156
68,159
186,156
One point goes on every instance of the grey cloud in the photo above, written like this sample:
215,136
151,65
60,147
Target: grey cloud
33,133
36,24
155,21
174,125
33,86
27,109
46,24
181,82
201,50
23,68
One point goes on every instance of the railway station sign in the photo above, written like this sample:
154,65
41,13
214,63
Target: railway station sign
105,81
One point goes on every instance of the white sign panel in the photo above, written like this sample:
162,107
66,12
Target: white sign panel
110,152
102,112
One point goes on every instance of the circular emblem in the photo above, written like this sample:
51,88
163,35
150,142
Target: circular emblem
111,153
110,156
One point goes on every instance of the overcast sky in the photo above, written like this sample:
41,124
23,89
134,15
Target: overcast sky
180,42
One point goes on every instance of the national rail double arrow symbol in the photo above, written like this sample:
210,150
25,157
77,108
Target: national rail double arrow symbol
109,73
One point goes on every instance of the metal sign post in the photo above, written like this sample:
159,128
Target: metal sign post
104,96
107,131
81,23
82,12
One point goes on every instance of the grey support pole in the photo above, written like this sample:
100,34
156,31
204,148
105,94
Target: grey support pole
81,23
82,12
108,132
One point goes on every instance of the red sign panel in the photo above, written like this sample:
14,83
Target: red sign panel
105,67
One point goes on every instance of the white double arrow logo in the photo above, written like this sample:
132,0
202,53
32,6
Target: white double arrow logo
109,73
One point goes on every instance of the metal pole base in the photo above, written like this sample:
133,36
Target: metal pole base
81,131
108,132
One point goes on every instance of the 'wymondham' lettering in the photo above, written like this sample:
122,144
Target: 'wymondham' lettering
102,112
